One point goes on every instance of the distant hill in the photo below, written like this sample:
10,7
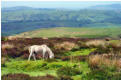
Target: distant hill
107,7
21,19
83,32
15,8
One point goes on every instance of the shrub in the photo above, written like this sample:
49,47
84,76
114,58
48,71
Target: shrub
65,46
107,39
101,50
96,43
14,52
114,43
116,47
99,61
102,74
97,74
7,46
67,71
117,63
113,46
82,44
13,37
94,61
4,38
116,76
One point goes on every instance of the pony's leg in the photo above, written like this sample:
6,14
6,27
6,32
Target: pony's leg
44,50
30,55
34,57
46,56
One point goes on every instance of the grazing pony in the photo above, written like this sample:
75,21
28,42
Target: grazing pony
40,49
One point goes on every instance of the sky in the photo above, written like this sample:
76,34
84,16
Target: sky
56,4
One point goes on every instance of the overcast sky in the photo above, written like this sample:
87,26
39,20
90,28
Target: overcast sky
56,4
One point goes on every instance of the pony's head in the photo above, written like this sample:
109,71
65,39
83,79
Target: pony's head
51,56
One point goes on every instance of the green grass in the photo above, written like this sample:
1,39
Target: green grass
44,67
79,52
84,68
39,67
84,32
31,73
51,67
34,68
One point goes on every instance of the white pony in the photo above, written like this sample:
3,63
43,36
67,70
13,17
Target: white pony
40,49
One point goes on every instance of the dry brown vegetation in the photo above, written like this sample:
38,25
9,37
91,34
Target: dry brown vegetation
65,46
96,61
106,53
7,46
13,37
58,45
26,77
19,47
96,43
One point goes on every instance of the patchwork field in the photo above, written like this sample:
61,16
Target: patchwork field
83,32
75,59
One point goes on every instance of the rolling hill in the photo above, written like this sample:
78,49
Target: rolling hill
20,19
107,7
93,32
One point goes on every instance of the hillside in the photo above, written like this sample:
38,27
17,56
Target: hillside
16,20
83,32
107,7
74,58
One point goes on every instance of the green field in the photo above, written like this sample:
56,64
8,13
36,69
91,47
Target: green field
83,32
43,67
